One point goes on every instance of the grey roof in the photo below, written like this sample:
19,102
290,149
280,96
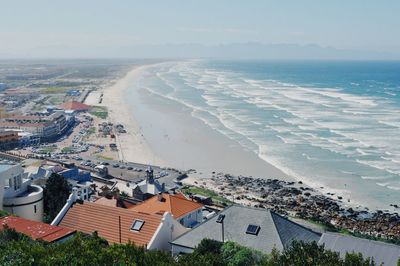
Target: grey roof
275,230
385,253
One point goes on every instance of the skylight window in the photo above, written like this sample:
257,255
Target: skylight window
253,229
137,225
220,218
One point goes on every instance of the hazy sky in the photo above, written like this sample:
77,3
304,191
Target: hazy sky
343,24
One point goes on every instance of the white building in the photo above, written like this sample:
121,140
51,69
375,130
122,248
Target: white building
17,194
187,212
119,225
148,187
84,189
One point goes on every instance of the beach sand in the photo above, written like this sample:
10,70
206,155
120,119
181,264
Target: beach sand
162,132
185,142
165,134
132,145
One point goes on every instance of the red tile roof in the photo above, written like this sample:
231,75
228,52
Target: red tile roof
36,230
178,205
113,202
89,217
107,202
74,105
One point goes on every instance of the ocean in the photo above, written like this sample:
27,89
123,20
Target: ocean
334,125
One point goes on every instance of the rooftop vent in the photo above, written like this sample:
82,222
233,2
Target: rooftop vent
137,225
220,218
252,229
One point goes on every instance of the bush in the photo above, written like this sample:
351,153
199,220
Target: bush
18,249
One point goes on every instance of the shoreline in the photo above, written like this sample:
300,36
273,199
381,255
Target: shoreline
297,200
146,142
185,142
132,146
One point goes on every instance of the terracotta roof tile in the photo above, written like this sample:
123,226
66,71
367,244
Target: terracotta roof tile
36,230
89,217
106,202
178,205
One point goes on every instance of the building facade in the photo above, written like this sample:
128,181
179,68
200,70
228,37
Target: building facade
8,140
18,195
47,127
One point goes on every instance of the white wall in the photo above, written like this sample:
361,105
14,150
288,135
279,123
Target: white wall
29,207
5,176
71,199
168,230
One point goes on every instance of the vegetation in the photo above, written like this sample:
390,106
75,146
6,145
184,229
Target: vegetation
55,89
67,149
89,132
18,249
54,100
56,194
206,192
48,149
102,157
3,213
99,111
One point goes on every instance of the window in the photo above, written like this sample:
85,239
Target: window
220,218
8,183
34,208
137,225
252,229
15,183
190,216
181,221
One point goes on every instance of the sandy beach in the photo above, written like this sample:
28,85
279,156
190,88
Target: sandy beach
175,139
132,145
163,132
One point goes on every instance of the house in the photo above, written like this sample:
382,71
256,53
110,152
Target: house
18,195
259,229
36,230
382,253
188,213
79,179
47,127
148,187
74,106
119,225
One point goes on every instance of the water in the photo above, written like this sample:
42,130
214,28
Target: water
331,124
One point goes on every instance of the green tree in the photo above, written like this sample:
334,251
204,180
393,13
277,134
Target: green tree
56,193
314,255
18,249
209,246
237,255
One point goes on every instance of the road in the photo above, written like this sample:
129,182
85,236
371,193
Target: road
132,176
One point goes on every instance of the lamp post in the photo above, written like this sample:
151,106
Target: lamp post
220,220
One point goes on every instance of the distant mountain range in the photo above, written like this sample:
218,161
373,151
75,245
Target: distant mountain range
234,51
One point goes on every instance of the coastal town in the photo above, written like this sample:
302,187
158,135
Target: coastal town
64,120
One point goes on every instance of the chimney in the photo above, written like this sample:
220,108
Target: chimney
160,197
